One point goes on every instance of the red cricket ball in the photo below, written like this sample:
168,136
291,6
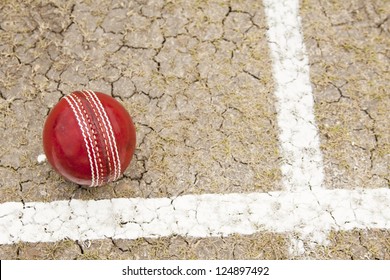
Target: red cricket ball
89,138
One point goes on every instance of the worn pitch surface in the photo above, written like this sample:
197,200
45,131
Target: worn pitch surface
197,78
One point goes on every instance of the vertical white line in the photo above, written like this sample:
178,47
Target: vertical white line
302,168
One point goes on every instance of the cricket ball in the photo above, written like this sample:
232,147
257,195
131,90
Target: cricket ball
89,138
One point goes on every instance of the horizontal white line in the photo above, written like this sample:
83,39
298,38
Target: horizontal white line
195,215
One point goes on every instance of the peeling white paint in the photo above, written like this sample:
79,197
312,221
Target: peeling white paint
196,216
302,168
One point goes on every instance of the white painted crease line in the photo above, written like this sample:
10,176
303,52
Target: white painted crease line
194,215
304,208
302,168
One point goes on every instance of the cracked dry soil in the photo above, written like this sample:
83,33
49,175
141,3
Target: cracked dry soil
348,44
189,74
348,47
192,91
196,78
